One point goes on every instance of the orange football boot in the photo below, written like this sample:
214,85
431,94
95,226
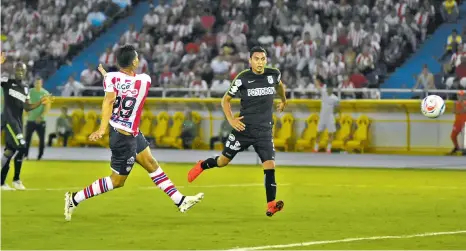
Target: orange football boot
195,171
274,206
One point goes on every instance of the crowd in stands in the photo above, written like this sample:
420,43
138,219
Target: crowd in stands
202,45
48,33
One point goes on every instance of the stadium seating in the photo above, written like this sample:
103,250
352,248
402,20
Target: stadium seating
172,139
360,138
198,142
285,133
309,133
343,133
90,124
147,122
161,127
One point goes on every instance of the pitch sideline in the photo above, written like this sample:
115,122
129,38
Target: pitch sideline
313,243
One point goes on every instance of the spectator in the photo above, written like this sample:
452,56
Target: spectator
72,88
90,76
96,18
122,3
425,80
151,19
461,73
63,128
220,85
189,131
449,11
225,130
198,87
108,58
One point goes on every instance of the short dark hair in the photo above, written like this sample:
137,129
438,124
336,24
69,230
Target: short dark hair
321,79
257,49
125,55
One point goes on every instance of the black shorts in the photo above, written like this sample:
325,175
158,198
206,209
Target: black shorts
260,139
14,138
124,150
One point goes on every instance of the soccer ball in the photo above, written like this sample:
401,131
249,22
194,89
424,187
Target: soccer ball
432,106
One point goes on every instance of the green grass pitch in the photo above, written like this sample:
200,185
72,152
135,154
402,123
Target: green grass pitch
320,204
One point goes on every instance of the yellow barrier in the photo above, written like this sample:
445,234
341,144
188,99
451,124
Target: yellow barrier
354,105
411,109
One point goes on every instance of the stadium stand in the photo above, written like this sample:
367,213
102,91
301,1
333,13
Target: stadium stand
194,48
49,33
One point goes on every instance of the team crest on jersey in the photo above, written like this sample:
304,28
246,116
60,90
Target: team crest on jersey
231,137
130,161
126,88
270,79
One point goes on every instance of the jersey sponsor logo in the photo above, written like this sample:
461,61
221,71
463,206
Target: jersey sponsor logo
270,79
251,81
122,122
17,95
264,91
126,88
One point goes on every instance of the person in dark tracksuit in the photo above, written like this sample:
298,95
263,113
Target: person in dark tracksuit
16,95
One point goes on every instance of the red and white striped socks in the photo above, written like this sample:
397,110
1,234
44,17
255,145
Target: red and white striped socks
99,186
162,181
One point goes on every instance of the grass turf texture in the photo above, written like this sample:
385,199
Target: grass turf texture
320,204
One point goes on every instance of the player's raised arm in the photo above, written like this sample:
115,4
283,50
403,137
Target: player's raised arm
107,107
226,106
102,70
46,100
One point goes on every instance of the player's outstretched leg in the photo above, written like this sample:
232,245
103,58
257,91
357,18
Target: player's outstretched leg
273,206
161,180
217,161
6,157
100,186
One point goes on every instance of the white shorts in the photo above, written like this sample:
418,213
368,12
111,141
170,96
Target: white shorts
328,124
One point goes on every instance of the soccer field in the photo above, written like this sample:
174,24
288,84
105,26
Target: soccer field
321,204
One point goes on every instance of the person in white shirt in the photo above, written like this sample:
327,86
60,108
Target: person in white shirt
220,65
220,85
265,39
58,47
108,58
151,19
392,20
72,88
89,76
198,87
314,28
329,106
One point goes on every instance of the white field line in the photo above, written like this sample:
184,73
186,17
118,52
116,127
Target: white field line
313,243
261,185
154,187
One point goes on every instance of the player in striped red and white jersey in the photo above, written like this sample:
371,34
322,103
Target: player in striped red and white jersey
131,92
125,94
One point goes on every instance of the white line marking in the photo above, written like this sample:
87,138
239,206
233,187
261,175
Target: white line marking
261,185
155,187
313,243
